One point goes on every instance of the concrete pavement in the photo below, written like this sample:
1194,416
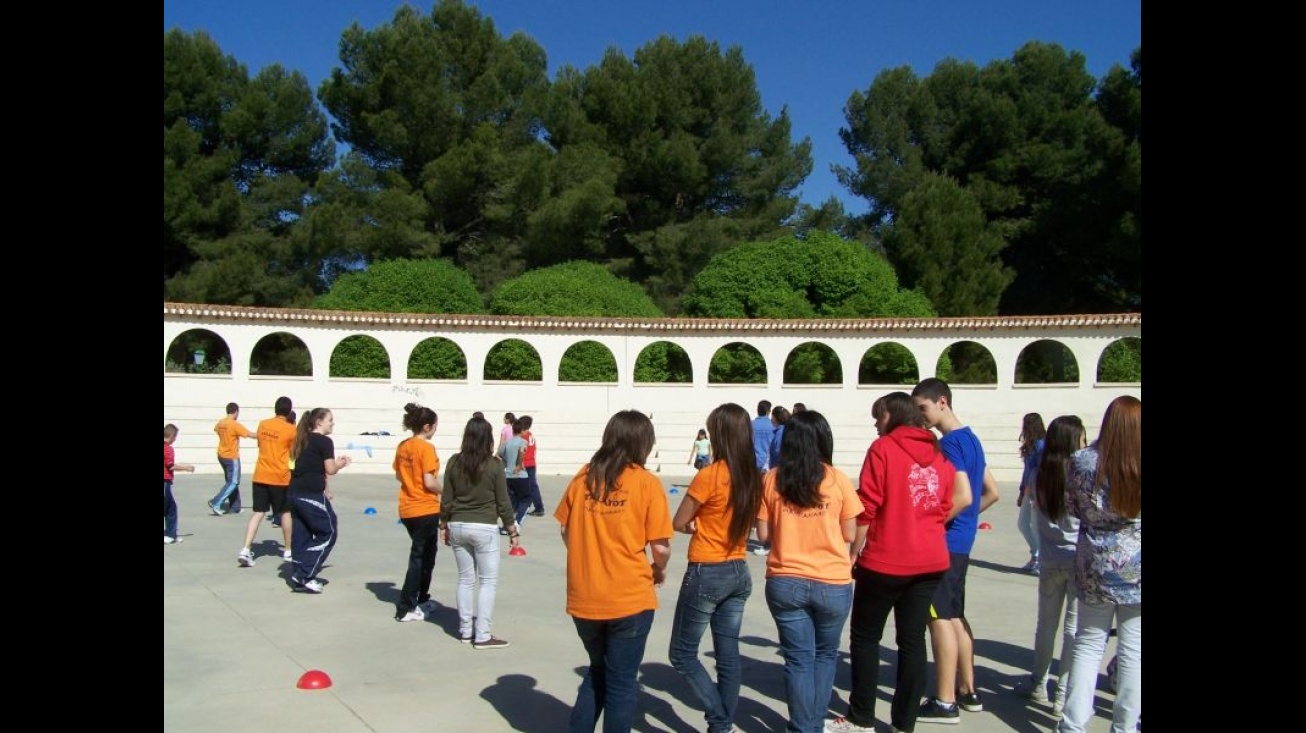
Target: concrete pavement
236,639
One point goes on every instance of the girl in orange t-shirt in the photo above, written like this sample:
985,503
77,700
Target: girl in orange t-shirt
718,512
809,513
612,513
416,465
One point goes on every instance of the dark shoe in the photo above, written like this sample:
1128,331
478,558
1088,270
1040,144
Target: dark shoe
933,711
970,702
490,643
540,513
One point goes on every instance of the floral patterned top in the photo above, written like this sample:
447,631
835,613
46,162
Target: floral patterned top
1109,555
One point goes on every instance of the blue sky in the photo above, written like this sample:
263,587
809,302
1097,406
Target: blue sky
808,56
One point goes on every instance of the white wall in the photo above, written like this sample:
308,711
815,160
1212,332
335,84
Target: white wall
569,417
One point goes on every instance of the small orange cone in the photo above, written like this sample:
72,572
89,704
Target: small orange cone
517,551
314,679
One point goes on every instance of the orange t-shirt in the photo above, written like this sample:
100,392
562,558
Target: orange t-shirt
229,434
711,539
275,436
609,574
414,458
809,543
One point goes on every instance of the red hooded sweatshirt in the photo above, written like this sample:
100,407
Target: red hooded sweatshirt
906,488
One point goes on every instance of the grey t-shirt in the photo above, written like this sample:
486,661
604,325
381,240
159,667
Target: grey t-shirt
512,456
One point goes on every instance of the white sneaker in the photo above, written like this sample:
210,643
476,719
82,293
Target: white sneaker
245,558
171,540
286,556
311,586
413,615
844,725
761,551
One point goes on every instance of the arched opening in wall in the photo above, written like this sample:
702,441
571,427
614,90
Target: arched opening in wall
1122,361
280,355
587,361
360,357
813,363
888,363
437,358
198,351
1046,362
967,362
663,362
513,360
737,363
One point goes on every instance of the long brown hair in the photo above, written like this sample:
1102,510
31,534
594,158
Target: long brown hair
477,450
732,441
628,438
306,425
1120,455
1064,436
1031,431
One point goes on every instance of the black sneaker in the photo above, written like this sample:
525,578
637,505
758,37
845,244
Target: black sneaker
490,643
540,513
933,711
970,702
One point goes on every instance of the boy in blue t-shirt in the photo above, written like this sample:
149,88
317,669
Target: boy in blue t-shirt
950,634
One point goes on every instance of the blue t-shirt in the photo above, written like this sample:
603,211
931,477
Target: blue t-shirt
964,450
1031,468
763,431
775,445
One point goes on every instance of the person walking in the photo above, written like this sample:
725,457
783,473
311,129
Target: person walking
170,466
275,437
1058,532
808,512
513,455
531,466
718,511
1105,492
229,431
614,514
1032,434
315,533
475,504
416,466
908,490
700,453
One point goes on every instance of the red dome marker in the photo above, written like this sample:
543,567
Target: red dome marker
517,551
985,525
314,679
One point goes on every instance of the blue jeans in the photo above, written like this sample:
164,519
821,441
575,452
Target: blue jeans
712,593
169,512
231,486
537,499
615,648
809,617
519,493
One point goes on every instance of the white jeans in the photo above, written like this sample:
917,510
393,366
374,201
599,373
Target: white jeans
1025,523
1090,647
1056,590
476,548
